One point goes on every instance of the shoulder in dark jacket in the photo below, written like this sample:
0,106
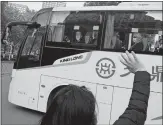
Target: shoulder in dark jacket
137,47
136,112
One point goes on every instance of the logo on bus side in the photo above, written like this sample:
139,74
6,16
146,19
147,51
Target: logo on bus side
71,58
105,68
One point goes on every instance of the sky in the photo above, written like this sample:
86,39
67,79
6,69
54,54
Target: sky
38,5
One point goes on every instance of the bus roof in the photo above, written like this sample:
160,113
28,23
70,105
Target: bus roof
134,6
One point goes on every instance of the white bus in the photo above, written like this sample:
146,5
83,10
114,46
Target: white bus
82,46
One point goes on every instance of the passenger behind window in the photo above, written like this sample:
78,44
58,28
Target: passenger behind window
116,42
91,37
137,43
151,44
145,44
79,37
94,37
88,38
68,34
66,39
157,46
160,48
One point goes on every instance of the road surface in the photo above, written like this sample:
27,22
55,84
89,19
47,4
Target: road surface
11,114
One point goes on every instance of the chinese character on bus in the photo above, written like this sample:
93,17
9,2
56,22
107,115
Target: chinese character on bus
157,73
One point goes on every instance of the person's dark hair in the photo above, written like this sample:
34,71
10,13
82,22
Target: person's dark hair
72,105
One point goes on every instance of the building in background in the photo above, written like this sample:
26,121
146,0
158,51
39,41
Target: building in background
20,7
53,4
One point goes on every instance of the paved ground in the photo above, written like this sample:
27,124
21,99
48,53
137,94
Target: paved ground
11,114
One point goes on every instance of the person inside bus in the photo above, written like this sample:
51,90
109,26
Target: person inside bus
91,37
67,35
66,39
145,44
116,42
94,37
74,105
79,37
157,46
137,43
88,38
151,43
160,48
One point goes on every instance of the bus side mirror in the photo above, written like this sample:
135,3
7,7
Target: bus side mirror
33,25
7,32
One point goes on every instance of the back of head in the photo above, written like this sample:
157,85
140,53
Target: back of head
72,105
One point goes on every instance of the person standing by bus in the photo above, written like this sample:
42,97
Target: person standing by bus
74,105
136,112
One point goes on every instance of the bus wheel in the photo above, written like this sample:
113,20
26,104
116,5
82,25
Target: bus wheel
52,95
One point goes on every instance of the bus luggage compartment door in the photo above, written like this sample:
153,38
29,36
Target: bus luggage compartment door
46,86
104,100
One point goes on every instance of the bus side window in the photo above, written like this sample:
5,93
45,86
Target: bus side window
74,29
57,27
136,31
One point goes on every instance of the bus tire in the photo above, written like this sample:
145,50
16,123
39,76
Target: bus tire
52,95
